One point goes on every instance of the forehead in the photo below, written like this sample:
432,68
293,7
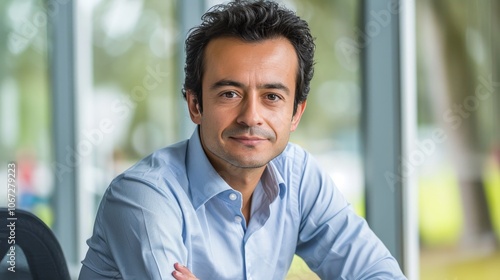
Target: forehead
231,45
230,56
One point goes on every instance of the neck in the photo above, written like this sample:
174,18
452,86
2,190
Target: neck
244,181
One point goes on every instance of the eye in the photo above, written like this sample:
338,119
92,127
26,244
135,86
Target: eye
229,94
273,97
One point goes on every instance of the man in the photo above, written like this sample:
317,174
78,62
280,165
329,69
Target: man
236,200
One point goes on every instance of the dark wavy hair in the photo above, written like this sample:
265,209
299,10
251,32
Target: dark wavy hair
249,21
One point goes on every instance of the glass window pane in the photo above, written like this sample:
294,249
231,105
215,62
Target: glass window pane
459,138
25,122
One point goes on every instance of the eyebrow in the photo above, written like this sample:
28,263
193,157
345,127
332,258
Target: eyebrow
226,82
223,83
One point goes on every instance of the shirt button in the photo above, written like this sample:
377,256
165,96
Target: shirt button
238,219
233,196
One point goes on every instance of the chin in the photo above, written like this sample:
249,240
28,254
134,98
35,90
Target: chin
250,164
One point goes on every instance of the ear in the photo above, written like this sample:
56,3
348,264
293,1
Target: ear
298,114
193,107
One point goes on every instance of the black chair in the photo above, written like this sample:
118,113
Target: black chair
44,256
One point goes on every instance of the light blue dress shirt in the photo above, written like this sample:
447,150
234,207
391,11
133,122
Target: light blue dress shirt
172,207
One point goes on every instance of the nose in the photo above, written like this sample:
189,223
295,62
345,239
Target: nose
250,112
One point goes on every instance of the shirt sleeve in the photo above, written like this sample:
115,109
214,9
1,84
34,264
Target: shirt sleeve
334,241
137,234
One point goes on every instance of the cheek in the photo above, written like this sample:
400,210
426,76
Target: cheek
214,122
281,125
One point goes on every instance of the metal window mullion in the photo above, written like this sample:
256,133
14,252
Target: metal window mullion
62,73
409,137
382,122
190,12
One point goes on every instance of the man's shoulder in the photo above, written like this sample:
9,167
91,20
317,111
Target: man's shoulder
163,165
155,183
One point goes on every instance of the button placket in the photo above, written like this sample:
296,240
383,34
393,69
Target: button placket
238,219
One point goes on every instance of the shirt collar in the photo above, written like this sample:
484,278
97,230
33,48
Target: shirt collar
206,183
272,182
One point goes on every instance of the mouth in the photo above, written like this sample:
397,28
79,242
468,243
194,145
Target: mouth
248,140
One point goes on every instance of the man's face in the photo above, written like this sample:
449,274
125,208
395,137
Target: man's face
248,97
